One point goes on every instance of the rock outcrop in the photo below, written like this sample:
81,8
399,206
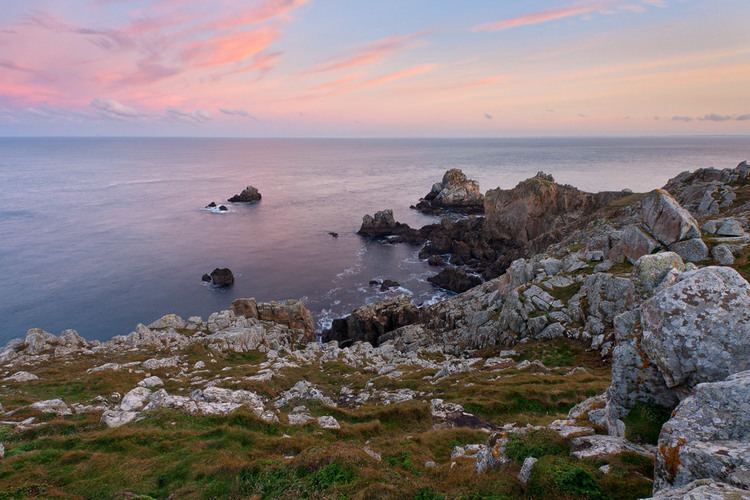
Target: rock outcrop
368,323
248,195
455,280
455,192
538,207
707,191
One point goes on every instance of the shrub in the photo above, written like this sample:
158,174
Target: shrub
560,477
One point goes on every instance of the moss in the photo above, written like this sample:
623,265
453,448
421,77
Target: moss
537,444
644,422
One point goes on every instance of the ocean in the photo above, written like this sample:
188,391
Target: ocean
99,234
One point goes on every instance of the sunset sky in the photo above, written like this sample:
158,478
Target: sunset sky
392,68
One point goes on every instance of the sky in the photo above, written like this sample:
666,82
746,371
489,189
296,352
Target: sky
363,68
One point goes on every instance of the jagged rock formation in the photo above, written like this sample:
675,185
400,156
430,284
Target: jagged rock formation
455,279
538,209
707,191
455,192
248,195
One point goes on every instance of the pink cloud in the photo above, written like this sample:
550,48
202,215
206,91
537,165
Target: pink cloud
230,48
582,8
369,54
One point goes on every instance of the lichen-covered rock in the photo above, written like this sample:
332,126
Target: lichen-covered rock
703,489
597,446
650,270
698,330
526,469
633,243
708,436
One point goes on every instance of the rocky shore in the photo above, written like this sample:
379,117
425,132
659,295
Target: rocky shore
599,348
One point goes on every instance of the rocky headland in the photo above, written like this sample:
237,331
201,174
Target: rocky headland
602,351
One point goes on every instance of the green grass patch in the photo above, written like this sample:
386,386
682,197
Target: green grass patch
537,444
644,422
563,478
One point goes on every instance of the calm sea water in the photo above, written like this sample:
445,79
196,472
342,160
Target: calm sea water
101,234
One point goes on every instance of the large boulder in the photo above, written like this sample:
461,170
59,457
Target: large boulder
708,436
703,489
666,219
694,330
455,192
248,195
698,330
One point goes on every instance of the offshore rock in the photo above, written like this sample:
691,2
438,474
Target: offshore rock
222,277
248,195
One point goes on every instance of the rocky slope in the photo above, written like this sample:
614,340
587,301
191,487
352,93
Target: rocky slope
609,360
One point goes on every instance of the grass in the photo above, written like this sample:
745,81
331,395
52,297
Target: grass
172,454
536,443
563,478
644,422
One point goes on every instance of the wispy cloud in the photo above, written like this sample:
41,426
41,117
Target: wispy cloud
237,112
715,117
682,119
369,54
578,9
197,116
113,109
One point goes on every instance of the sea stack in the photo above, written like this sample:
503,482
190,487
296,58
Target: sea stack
455,192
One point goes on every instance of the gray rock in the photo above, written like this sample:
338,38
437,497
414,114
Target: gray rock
708,436
730,227
135,399
151,382
168,321
703,489
328,422
526,468
633,244
21,376
597,446
117,418
722,254
56,406
692,250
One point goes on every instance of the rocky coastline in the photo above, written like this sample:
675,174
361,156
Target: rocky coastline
598,346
